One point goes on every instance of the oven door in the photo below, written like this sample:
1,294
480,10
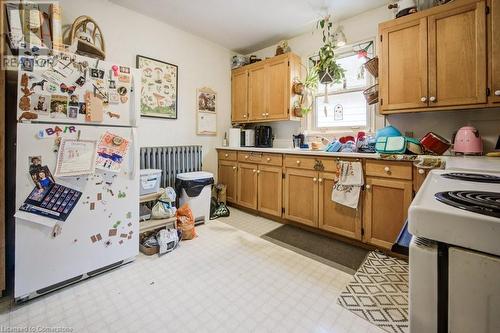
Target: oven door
474,292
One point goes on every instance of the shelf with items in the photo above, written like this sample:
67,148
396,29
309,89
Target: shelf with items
150,197
156,224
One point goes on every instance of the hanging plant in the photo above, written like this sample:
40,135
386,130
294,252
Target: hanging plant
328,70
307,87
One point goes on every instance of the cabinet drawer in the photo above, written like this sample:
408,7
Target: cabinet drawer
303,162
227,155
387,169
261,158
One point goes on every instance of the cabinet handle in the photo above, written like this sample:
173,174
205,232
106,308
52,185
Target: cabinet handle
320,180
226,155
368,186
267,114
234,168
423,99
244,116
254,171
258,171
497,92
421,171
298,161
263,114
246,157
432,99
387,169
268,159
314,180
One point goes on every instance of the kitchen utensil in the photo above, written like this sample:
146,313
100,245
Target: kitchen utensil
298,140
468,141
434,144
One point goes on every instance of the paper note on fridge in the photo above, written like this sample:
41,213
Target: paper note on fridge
111,152
76,157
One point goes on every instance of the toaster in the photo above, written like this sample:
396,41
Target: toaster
468,141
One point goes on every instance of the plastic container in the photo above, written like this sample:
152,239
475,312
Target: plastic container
195,188
149,181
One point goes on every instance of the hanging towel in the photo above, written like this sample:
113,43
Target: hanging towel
347,189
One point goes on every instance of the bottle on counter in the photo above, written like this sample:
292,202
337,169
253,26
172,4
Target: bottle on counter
224,141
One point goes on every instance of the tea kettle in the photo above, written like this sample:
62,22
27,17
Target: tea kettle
467,141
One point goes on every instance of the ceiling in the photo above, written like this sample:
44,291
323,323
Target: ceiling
245,26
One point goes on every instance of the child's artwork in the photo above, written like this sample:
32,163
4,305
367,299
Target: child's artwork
111,151
159,88
76,157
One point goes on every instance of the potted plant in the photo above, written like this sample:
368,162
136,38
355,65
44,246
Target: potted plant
328,69
306,89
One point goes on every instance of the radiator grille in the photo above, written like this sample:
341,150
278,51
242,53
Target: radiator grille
172,161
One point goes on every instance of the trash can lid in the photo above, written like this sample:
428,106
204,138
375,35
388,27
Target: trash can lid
195,175
145,172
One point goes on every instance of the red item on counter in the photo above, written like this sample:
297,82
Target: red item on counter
434,143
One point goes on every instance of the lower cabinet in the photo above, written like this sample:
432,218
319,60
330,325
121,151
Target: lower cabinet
334,217
386,204
247,185
228,176
301,196
269,189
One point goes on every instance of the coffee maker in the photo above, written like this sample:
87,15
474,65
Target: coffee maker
264,136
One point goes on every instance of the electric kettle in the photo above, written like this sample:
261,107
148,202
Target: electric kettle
468,141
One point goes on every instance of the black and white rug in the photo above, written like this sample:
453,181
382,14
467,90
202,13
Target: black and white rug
379,292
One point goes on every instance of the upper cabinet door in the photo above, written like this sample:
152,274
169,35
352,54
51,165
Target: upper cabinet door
278,90
239,86
257,92
403,74
495,51
457,56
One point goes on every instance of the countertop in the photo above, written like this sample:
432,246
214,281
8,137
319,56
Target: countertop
482,163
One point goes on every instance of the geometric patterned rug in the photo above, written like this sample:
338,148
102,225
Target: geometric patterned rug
379,293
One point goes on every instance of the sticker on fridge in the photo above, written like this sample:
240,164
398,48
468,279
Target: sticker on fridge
111,151
76,157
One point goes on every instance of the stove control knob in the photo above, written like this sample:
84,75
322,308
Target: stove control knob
497,92
421,171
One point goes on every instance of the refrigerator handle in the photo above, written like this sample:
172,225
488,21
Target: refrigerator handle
134,154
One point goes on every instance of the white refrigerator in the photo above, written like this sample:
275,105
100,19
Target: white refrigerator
101,231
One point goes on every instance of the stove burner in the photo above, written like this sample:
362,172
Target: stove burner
486,203
473,177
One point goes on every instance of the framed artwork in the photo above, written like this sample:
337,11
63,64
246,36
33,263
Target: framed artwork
206,111
159,88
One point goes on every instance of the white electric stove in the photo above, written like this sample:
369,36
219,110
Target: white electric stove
455,252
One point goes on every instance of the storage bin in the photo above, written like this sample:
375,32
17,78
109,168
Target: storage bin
149,181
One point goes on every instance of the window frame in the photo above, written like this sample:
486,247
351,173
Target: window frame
312,119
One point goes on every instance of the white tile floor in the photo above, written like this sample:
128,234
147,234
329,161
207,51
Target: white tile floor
226,280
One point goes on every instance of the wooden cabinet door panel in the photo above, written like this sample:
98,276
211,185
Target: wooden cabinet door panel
257,93
334,217
386,206
301,196
247,185
403,74
457,56
228,176
495,51
269,189
278,90
239,88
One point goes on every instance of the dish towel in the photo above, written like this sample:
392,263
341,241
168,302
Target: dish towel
347,189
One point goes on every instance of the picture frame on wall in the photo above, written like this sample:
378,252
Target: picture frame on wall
206,111
159,93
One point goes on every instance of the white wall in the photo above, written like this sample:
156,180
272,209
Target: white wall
365,26
201,64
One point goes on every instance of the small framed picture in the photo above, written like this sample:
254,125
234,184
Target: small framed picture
40,103
73,111
82,108
125,70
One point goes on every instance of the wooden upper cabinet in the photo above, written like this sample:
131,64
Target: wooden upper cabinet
228,176
301,196
495,50
269,198
239,98
403,74
385,209
278,90
257,92
457,56
247,185
335,217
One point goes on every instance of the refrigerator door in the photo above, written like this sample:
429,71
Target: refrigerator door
69,88
101,230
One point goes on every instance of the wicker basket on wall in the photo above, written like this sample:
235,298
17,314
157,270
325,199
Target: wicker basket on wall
371,94
372,66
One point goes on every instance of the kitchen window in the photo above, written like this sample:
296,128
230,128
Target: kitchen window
343,107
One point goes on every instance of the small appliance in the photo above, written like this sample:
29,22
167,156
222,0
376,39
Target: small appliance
234,137
264,136
247,138
298,140
468,141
